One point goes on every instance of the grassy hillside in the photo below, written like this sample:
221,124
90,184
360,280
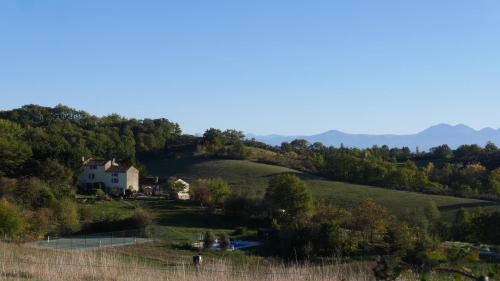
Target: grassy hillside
251,178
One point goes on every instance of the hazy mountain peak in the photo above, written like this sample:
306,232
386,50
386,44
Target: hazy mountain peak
453,135
447,128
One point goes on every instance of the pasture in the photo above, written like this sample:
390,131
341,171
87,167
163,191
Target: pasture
250,178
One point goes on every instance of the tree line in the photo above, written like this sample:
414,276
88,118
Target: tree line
469,170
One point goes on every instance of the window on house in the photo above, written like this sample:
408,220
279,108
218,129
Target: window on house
115,175
114,180
93,167
91,176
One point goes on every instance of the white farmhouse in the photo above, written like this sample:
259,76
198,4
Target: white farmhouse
113,177
183,194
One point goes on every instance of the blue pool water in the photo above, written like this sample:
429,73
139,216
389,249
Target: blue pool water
239,244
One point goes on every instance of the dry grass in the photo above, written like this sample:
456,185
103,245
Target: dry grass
24,263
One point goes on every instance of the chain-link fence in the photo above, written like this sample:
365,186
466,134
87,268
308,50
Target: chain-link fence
96,240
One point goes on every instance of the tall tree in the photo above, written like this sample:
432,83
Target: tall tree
287,194
14,151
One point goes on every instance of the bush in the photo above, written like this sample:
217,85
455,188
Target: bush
68,216
41,222
7,187
11,220
224,241
114,221
240,230
212,193
242,208
208,240
34,193
140,219
101,195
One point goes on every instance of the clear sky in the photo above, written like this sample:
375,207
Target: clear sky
262,66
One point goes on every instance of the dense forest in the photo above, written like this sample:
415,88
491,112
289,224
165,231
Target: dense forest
33,134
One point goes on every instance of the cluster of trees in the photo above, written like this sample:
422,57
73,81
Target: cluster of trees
306,231
467,171
32,208
468,153
476,227
33,134
40,155
209,241
212,193
228,143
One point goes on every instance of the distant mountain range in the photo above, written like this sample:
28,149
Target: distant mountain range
454,136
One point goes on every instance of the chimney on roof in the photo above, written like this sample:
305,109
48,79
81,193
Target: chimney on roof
113,162
156,179
83,159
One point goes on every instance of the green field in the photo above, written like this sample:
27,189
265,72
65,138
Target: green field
251,179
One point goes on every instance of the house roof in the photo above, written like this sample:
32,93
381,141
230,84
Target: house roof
118,169
94,162
183,182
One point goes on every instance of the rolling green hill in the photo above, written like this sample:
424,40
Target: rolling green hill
251,178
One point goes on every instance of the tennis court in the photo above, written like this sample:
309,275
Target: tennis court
88,242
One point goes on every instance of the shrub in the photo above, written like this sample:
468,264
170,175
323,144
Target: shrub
240,230
140,219
212,193
202,196
34,193
68,216
114,221
7,187
224,241
100,194
11,220
208,240
41,221
242,208
128,193
220,190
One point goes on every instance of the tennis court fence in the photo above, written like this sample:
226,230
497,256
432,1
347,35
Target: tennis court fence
96,240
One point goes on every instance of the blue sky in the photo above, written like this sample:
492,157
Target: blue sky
262,66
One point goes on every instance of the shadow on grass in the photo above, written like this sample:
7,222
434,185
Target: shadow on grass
189,215
468,205
302,176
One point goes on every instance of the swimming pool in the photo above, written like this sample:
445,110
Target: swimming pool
239,244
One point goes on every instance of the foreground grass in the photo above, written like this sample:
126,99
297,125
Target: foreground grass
251,179
19,262
24,263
